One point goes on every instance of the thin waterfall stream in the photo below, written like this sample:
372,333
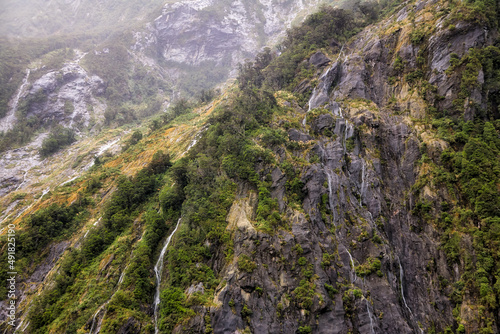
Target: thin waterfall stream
370,315
158,270
330,196
362,190
353,268
401,284
401,274
99,323
9,119
320,93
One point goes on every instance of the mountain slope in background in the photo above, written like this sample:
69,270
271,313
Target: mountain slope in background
89,80
35,18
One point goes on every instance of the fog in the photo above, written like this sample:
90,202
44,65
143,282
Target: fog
42,18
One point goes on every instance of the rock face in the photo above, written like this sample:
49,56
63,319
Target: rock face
366,202
365,172
67,97
213,33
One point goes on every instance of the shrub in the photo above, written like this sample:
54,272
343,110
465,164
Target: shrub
246,264
57,139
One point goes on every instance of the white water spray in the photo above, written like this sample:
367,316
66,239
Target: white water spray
99,323
401,284
320,92
8,121
330,196
195,140
158,271
94,319
122,276
353,268
348,133
369,315
362,190
401,274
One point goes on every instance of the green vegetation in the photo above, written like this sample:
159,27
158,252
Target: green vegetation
370,266
331,291
125,203
172,308
468,173
305,330
128,85
52,224
304,294
476,11
317,31
58,138
246,264
243,145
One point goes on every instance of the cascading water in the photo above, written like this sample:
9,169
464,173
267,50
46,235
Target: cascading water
401,274
158,271
370,315
122,276
319,95
348,133
99,323
401,284
330,196
195,139
362,190
353,268
8,121
95,317
22,183
320,92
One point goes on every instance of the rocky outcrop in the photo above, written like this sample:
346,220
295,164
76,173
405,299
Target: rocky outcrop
368,203
212,34
369,255
67,97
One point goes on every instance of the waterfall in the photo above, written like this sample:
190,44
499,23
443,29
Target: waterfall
369,315
8,121
99,323
122,276
348,133
195,139
362,190
330,196
24,181
401,274
402,291
94,318
158,271
353,268
319,95
320,92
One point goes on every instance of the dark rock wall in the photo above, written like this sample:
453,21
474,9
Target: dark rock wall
368,186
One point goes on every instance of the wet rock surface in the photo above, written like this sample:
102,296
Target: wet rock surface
365,172
209,33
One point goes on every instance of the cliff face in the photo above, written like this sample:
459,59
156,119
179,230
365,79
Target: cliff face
193,32
192,45
377,266
199,43
348,188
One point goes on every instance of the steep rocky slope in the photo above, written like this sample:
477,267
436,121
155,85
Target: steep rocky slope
92,81
350,187
213,37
